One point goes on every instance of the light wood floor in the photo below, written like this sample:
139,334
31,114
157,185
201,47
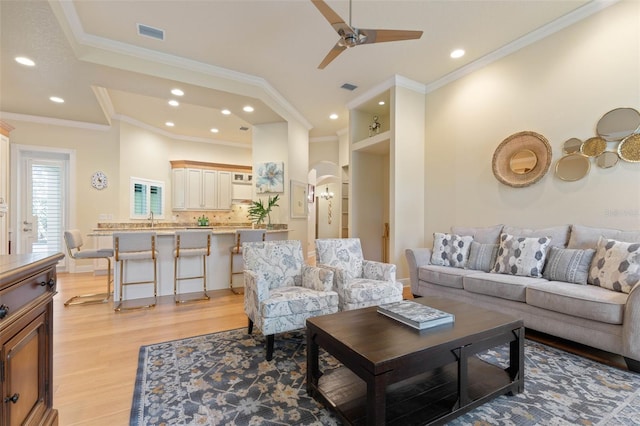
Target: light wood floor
96,349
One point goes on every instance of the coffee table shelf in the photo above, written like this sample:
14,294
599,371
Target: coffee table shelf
394,374
429,398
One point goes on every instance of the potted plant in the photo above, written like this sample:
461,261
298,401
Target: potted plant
258,211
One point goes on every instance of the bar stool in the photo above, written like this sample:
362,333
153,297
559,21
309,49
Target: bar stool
136,247
242,236
73,240
190,244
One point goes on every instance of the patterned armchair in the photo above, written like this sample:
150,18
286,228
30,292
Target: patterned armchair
359,283
281,292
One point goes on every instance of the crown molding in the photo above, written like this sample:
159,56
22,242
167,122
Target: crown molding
323,139
54,121
394,80
162,132
104,100
87,46
522,42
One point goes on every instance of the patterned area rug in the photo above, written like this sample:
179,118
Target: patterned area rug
223,379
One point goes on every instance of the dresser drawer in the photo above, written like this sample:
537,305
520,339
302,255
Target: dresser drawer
17,297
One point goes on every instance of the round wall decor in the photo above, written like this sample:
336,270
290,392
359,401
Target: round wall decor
99,180
506,163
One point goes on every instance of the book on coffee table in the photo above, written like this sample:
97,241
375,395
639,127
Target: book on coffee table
415,314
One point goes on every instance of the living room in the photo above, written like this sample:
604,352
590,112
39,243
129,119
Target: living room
558,86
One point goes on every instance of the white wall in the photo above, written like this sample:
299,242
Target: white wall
558,87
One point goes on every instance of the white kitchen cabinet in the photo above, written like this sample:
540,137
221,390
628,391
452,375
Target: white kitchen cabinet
178,192
201,189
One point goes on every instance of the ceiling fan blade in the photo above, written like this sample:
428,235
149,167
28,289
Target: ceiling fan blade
332,17
333,53
380,36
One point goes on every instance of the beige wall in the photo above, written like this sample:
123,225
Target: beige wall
122,151
558,87
94,150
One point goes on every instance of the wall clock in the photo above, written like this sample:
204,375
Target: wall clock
99,180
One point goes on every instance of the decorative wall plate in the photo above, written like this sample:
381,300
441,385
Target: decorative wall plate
512,146
593,147
573,167
629,148
618,123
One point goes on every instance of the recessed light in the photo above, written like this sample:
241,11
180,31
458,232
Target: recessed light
23,60
333,116
169,124
214,130
56,99
173,102
225,112
248,108
177,92
381,103
458,53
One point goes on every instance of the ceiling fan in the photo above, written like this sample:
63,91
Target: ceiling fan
351,36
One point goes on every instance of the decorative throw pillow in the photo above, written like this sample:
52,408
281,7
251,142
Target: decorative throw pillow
569,265
482,257
616,265
521,255
450,250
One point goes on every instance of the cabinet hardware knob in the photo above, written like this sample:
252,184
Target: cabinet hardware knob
13,398
51,283
4,310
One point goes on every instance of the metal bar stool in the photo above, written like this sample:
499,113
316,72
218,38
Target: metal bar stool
73,240
191,244
135,246
242,236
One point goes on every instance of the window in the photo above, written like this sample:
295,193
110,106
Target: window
147,196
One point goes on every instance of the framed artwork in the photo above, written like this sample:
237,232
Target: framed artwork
298,200
269,177
311,193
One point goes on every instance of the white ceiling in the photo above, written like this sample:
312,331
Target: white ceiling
231,53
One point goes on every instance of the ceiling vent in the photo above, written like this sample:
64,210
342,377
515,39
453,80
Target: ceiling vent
348,86
147,31
244,128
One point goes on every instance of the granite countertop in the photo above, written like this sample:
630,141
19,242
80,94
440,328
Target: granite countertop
169,229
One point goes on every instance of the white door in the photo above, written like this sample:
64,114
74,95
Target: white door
43,189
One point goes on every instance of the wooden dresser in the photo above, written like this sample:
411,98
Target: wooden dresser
27,287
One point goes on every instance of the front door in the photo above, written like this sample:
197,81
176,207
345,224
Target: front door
43,188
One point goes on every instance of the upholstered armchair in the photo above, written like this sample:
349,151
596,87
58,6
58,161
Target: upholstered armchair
281,292
359,282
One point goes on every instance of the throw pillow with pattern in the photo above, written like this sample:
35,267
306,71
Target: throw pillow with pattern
568,265
522,256
482,257
450,250
616,265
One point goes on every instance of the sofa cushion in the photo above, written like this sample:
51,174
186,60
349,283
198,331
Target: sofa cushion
616,265
482,257
499,285
589,302
584,237
569,265
450,250
483,235
559,234
443,275
522,256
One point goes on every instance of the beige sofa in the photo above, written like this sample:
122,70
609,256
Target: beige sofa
588,314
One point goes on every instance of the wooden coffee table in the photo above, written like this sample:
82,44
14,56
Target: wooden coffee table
394,374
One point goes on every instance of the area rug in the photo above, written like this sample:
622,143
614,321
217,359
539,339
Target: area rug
224,379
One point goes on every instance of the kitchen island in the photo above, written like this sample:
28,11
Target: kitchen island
217,263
